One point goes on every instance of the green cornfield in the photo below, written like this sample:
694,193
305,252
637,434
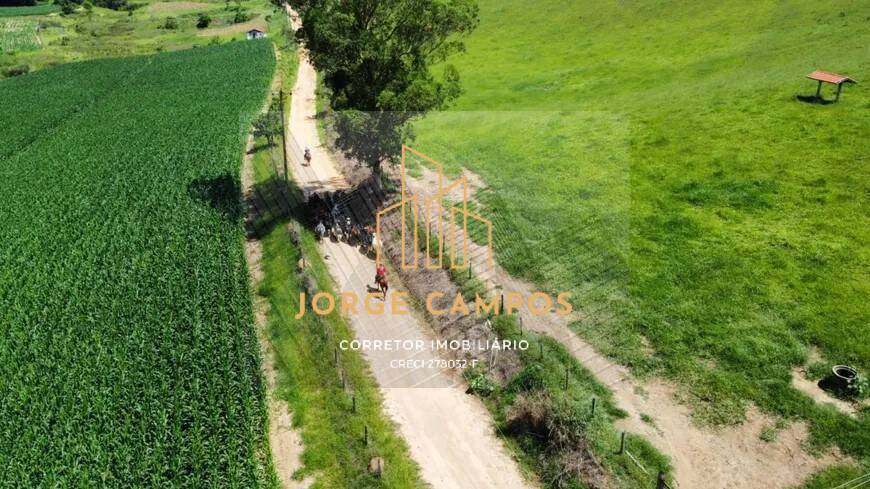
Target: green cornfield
127,352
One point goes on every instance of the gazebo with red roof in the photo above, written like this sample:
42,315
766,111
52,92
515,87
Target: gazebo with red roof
828,77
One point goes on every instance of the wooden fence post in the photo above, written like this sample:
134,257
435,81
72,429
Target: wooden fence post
660,481
622,443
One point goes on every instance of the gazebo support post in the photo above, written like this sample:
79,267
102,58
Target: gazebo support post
839,87
819,90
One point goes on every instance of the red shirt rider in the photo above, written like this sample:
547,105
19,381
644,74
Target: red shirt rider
381,273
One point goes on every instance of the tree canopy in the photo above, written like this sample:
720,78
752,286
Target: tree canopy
376,59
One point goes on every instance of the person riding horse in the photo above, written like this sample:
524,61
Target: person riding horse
381,279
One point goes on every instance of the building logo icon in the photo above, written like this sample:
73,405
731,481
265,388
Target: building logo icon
431,217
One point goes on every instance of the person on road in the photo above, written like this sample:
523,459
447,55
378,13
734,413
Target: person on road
307,156
381,279
380,273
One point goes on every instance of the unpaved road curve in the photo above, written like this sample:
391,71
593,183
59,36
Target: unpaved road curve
450,433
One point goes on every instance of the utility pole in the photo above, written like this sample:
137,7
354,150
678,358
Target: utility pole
283,133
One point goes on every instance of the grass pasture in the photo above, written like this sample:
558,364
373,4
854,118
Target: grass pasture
127,352
653,158
163,7
18,35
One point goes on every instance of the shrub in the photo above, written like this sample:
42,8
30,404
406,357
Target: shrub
16,70
241,16
67,7
171,23
203,20
478,382
530,378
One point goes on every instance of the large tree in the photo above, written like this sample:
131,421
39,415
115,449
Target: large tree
376,59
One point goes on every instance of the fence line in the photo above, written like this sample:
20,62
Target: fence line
855,483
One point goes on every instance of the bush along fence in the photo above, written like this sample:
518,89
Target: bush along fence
555,409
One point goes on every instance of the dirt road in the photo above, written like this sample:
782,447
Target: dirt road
450,433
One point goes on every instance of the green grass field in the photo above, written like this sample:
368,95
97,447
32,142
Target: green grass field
18,35
653,159
127,353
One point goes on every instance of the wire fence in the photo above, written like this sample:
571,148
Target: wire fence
855,483
658,478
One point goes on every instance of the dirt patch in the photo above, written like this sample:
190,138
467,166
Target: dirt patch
427,183
232,29
727,458
355,173
163,7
